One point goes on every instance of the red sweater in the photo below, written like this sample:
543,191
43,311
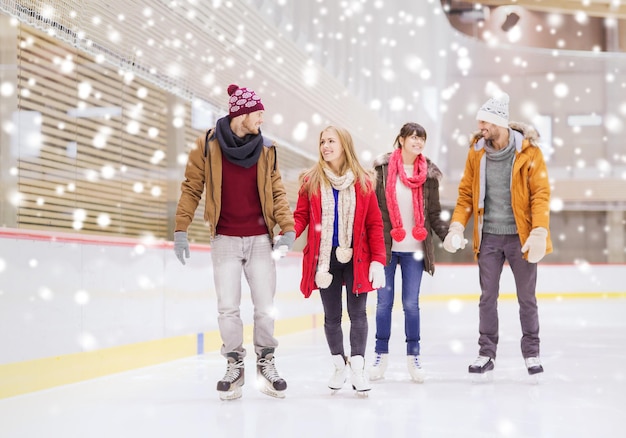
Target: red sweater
241,213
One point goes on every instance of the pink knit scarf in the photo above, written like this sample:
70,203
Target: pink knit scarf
416,184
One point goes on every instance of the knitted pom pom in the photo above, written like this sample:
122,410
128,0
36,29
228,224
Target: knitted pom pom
343,254
398,234
232,88
419,233
323,279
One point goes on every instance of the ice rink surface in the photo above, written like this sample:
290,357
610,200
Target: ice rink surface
581,394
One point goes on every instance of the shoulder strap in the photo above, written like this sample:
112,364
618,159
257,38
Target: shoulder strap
275,158
209,134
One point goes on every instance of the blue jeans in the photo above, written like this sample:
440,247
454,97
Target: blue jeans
412,270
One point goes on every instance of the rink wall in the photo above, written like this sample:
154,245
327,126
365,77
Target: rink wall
76,307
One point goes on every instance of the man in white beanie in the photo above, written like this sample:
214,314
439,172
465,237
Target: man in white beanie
505,188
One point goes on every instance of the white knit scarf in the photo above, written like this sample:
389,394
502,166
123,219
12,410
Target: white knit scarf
347,204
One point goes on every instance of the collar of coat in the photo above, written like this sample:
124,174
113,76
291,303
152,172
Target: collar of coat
527,132
433,170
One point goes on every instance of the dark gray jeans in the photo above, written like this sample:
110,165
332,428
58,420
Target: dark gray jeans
494,250
332,298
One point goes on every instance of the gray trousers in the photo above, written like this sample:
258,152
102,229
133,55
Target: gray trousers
494,250
251,256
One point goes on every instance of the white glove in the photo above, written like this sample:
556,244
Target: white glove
536,244
181,246
454,239
377,275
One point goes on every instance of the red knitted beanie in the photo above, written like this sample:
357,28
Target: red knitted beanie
242,101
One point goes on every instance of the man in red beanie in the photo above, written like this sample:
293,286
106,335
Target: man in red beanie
245,200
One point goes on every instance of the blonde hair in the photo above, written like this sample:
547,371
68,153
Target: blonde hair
312,179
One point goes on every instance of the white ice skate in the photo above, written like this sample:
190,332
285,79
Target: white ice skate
415,368
338,378
358,376
482,369
268,380
378,368
229,388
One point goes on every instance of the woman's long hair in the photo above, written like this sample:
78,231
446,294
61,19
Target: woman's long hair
312,179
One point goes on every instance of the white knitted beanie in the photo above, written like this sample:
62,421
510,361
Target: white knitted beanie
495,110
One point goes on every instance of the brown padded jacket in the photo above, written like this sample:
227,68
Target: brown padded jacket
432,209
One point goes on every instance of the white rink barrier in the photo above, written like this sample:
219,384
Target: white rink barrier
67,297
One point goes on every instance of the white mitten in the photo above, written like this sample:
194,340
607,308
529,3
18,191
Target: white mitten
377,275
454,239
536,244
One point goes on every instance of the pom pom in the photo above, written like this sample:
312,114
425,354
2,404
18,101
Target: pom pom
343,254
398,234
232,88
419,233
323,279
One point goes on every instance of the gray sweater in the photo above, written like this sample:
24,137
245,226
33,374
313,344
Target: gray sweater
499,217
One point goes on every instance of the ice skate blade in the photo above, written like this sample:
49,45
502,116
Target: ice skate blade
362,394
273,392
535,379
231,395
486,377
266,388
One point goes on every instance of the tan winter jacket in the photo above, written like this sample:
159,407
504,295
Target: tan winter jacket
204,172
530,187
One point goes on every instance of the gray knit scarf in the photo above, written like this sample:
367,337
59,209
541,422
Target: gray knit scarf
244,152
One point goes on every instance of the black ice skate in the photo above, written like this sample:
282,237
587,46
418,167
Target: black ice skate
482,367
229,388
268,380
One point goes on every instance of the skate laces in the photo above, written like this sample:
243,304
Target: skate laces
268,369
378,359
532,362
481,361
415,362
233,371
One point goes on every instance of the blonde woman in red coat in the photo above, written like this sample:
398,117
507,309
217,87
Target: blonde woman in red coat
345,246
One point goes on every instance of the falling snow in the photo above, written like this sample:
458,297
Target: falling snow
367,65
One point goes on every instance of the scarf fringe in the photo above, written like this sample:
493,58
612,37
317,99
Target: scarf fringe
323,279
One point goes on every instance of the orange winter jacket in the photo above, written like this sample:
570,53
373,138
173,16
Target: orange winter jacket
530,187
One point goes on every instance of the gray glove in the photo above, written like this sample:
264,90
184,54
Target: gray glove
284,243
181,246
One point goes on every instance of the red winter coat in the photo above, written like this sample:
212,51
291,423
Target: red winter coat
367,237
